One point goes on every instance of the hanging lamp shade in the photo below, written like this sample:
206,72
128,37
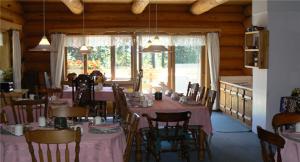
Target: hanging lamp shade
84,50
44,44
155,45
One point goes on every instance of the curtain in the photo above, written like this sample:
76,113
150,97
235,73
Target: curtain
213,51
16,48
98,40
57,58
174,40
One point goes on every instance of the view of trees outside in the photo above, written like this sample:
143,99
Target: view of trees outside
74,61
123,62
98,59
155,70
187,66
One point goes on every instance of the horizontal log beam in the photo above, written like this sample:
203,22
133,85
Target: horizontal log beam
139,6
247,22
232,41
74,5
6,25
11,5
11,16
248,11
163,16
202,6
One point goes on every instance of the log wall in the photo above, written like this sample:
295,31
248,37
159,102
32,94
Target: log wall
227,19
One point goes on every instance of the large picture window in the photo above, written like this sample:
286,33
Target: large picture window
113,55
103,49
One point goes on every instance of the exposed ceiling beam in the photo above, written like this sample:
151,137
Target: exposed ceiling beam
74,5
202,6
138,6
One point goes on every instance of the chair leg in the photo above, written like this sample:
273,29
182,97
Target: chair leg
208,149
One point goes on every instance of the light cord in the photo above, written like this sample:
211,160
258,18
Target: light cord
156,17
44,17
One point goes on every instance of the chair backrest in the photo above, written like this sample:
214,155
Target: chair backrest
138,81
200,94
2,99
83,91
115,88
48,92
284,119
174,124
205,96
27,111
47,78
53,137
122,103
70,112
270,144
3,117
192,90
133,126
211,97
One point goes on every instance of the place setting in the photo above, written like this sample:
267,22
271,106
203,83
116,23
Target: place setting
98,126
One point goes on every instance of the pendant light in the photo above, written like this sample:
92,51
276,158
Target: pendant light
83,49
156,45
149,43
44,44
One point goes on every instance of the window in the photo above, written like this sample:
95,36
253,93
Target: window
103,49
187,61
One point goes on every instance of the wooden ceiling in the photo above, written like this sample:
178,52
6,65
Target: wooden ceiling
138,6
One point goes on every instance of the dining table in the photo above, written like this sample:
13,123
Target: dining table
104,94
291,150
200,116
94,147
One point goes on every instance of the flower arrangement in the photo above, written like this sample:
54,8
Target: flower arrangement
100,79
296,92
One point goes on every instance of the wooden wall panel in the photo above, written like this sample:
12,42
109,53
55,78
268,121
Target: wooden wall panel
227,19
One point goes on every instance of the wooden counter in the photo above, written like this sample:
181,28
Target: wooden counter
236,98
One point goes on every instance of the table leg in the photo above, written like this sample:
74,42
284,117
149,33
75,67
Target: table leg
138,151
201,137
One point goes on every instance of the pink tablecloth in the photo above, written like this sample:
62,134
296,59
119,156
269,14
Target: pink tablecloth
291,150
106,94
93,148
200,114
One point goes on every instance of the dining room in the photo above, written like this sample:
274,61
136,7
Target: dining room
128,80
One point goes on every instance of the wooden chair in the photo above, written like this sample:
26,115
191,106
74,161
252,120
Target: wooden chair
48,92
200,95
168,127
71,112
137,84
27,111
122,103
205,96
83,93
53,137
192,90
131,132
3,117
284,119
210,100
268,141
116,104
